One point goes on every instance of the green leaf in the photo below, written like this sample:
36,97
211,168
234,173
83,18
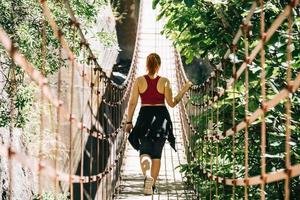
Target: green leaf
275,144
189,3
160,15
154,4
279,155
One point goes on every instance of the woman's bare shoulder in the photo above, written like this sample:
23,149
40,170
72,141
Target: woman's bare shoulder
140,78
164,79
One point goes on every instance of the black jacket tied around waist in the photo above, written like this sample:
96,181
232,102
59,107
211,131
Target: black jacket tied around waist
153,122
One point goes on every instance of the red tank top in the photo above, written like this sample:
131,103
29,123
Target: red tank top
151,95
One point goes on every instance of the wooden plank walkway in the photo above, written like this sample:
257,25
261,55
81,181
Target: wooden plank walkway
170,181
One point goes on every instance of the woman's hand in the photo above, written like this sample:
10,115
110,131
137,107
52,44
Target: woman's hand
128,128
188,84
186,87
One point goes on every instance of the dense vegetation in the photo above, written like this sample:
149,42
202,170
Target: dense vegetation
23,21
203,28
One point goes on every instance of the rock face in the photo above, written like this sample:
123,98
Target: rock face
105,25
198,70
15,180
126,28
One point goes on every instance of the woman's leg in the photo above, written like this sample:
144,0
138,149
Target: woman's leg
146,162
155,167
146,166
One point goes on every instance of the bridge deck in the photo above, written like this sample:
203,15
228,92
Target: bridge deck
170,181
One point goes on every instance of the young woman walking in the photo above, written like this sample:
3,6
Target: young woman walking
153,126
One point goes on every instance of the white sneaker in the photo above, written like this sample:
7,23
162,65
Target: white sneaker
148,182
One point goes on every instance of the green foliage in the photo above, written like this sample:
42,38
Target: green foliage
118,11
4,114
107,39
203,28
87,10
22,101
23,20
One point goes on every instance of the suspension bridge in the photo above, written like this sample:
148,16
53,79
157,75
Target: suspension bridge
88,113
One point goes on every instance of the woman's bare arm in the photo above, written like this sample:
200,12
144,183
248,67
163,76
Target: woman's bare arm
172,102
133,101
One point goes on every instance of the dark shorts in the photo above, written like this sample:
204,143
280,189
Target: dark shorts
152,147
